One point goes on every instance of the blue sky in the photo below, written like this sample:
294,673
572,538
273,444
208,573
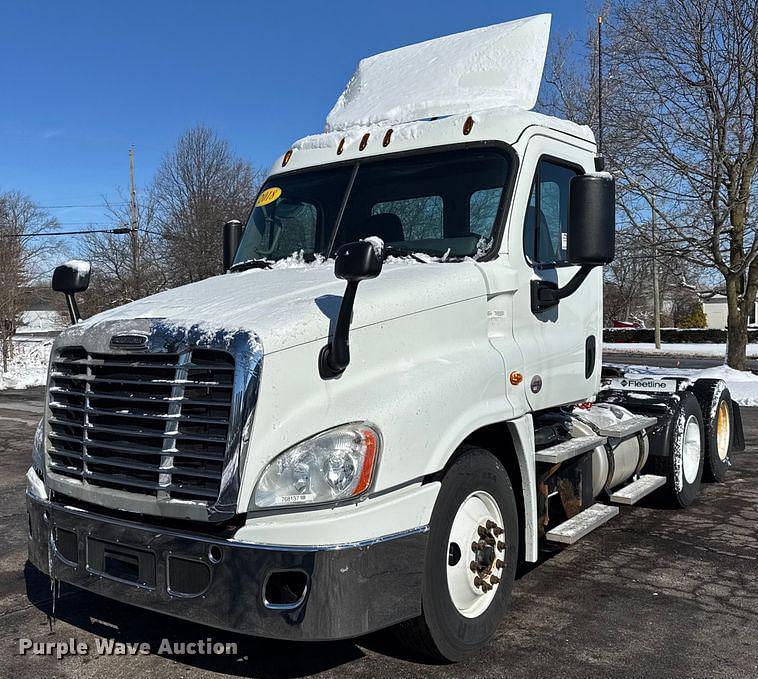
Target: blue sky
81,81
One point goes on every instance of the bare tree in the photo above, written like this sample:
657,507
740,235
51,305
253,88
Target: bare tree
198,186
21,253
682,108
691,70
627,291
122,273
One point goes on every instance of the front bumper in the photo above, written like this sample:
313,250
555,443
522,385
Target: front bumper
350,589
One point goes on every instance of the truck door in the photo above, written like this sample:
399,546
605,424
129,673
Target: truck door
560,345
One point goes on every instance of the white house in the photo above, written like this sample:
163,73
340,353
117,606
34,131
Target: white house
715,310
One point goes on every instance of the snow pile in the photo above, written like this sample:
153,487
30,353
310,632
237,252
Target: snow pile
298,260
674,348
37,321
28,366
743,386
496,66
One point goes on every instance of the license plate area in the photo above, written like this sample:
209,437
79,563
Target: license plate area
121,562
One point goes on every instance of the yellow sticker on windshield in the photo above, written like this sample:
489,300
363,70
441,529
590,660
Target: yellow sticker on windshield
268,196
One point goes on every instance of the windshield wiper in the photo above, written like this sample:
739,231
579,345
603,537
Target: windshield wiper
251,264
392,251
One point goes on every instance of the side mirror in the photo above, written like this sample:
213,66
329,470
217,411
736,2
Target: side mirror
70,278
592,219
591,236
354,262
232,236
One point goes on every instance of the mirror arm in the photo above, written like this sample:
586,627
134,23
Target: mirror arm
73,308
546,294
335,356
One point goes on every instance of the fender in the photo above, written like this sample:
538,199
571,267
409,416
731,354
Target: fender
522,434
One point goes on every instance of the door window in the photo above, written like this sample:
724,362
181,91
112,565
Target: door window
546,221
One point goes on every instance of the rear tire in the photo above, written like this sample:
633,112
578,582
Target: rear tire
458,615
683,465
716,404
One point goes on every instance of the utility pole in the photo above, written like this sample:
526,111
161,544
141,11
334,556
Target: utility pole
656,287
600,85
134,221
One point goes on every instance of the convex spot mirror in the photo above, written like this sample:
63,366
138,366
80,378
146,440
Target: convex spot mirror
592,219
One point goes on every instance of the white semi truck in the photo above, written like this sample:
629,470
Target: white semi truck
392,396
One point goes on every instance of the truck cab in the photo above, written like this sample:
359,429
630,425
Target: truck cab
291,453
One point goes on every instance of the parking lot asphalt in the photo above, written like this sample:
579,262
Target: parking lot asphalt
654,593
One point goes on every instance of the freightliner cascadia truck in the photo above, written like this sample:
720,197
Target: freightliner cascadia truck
392,396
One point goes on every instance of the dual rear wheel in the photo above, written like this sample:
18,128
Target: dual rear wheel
700,442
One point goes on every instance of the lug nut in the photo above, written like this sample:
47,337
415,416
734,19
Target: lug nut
486,587
474,566
501,545
494,579
499,563
478,582
474,546
481,530
490,524
497,532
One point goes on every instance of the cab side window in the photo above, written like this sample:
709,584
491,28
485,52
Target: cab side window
546,221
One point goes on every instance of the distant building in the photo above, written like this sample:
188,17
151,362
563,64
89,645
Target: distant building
715,308
42,316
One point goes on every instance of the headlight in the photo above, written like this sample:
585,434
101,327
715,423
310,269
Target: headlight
332,466
38,450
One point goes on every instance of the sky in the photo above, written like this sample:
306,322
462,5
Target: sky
82,81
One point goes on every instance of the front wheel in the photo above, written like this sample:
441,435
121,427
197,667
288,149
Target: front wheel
470,562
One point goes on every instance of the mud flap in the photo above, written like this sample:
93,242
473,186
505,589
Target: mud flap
738,433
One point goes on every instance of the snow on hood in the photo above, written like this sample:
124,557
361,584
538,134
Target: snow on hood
496,66
288,306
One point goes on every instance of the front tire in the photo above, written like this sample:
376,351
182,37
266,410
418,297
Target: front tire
471,559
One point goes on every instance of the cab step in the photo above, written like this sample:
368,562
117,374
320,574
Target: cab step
636,490
584,522
565,450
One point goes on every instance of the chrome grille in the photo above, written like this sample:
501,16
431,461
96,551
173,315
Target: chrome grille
155,424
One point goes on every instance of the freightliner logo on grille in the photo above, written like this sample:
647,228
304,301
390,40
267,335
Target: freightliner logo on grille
129,341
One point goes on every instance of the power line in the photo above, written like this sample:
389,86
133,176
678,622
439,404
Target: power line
118,230
60,207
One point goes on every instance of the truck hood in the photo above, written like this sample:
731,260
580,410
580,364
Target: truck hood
291,306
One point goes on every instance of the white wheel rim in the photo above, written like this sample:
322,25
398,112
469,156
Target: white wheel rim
691,450
723,431
472,590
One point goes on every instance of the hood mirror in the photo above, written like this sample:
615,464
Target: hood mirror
70,278
354,262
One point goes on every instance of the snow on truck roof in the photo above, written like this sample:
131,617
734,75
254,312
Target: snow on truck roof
426,91
492,67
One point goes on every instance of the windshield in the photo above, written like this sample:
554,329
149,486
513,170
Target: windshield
444,204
